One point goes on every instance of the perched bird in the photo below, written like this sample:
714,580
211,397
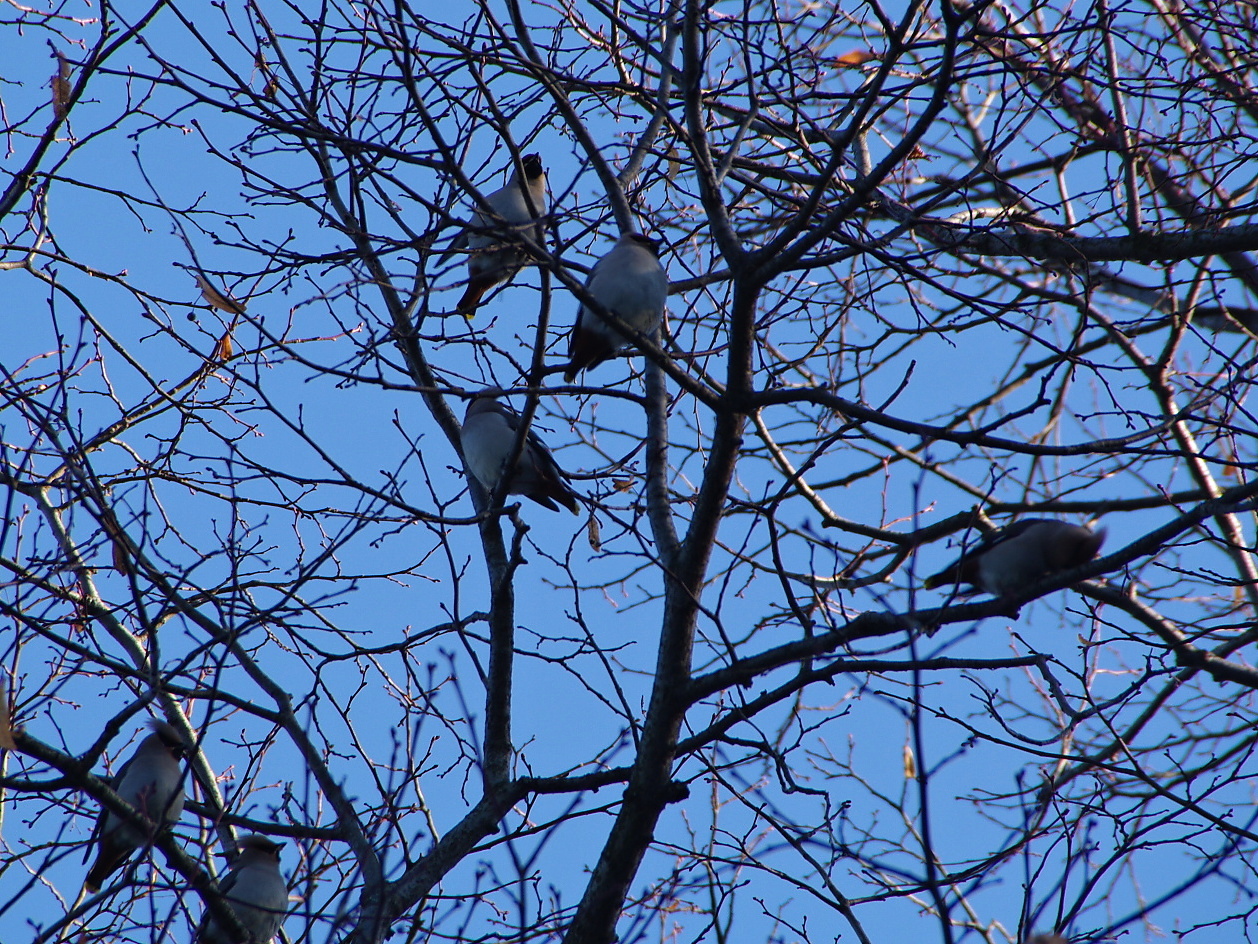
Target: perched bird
493,240
151,782
256,891
489,433
631,284
1006,561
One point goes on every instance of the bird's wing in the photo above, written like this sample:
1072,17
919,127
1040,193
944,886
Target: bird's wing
533,444
589,289
542,456
114,783
994,539
961,568
457,246
228,882
511,417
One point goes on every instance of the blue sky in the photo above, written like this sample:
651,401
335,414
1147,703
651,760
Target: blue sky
318,392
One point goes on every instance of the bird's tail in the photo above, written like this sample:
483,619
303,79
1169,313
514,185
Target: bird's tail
107,861
569,500
471,297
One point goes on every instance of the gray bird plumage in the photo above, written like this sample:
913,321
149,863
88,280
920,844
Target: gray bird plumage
1006,561
151,782
488,435
256,892
493,240
631,284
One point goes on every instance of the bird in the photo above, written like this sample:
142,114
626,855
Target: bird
488,436
493,240
630,283
1006,561
152,783
256,892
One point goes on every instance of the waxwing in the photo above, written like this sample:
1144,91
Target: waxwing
256,892
1006,561
493,241
489,433
151,782
630,283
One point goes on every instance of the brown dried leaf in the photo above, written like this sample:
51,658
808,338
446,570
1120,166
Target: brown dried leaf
857,57
219,300
910,764
6,721
223,349
1233,467
622,485
61,87
121,559
272,84
674,164
592,534
122,563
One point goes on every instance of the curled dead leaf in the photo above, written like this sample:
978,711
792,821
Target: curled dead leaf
1233,467
220,300
910,763
61,86
223,349
592,534
272,84
857,57
674,164
121,556
6,721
